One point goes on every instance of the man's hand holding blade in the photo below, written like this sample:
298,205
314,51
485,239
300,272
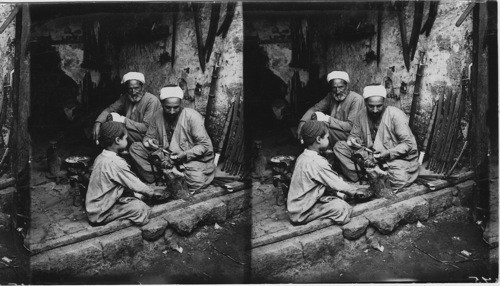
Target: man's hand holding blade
151,143
382,156
167,163
354,142
178,156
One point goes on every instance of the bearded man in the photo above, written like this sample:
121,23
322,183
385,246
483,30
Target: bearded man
182,131
386,130
337,110
135,108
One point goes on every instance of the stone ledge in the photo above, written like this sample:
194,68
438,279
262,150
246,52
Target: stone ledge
327,241
465,192
386,219
185,220
359,209
439,201
274,257
97,231
355,228
412,191
309,248
100,252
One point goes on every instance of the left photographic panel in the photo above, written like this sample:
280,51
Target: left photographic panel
122,149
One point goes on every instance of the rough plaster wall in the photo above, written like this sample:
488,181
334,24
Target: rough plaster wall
448,51
230,82
274,38
61,29
7,48
132,56
7,51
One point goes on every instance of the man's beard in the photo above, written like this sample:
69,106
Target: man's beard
341,96
375,116
135,98
171,117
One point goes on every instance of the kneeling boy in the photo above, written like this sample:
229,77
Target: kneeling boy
110,178
311,177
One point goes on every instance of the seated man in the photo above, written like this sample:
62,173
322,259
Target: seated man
135,108
182,131
338,109
311,177
386,130
111,178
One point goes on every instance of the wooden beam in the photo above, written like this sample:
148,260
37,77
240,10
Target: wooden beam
479,97
23,84
21,107
9,19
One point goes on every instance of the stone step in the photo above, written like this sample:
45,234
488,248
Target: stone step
414,190
275,257
185,220
100,252
91,232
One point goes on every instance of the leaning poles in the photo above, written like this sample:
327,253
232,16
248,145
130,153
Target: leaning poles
428,135
416,91
446,131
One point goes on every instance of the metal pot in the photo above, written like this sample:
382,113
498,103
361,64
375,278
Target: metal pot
77,164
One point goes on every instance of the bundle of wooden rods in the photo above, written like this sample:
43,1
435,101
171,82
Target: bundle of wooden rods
449,112
234,150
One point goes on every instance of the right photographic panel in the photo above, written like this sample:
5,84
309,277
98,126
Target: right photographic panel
374,140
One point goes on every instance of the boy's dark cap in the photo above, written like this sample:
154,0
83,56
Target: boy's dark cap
111,130
312,129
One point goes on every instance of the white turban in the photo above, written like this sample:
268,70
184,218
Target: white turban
374,90
133,75
171,91
337,74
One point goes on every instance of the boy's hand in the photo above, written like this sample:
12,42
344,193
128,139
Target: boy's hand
160,194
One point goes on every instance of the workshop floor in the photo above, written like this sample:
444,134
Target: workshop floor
53,213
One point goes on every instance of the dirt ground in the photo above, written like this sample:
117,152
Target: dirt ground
442,237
